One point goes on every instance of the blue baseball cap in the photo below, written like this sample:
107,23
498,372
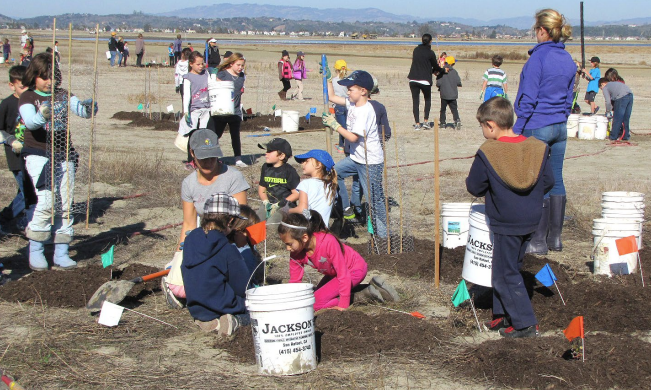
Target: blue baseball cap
360,78
319,155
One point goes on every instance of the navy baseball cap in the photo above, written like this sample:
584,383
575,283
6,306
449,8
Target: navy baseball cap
277,145
319,155
205,144
360,78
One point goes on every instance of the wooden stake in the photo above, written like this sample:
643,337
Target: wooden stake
92,127
395,139
68,121
437,238
386,195
582,39
144,97
149,95
160,112
328,130
52,110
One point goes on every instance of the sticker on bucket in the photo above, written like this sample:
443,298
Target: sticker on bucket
454,227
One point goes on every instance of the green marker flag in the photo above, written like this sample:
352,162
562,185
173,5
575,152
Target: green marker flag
107,258
369,225
140,107
273,108
460,294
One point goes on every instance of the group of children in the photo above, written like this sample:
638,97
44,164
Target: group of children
287,72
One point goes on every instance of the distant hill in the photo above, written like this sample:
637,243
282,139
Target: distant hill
227,10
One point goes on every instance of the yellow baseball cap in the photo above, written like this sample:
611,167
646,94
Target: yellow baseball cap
114,33
450,60
340,64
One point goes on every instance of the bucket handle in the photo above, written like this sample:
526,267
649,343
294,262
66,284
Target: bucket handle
455,234
594,248
264,261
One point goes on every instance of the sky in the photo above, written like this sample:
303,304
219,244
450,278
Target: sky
476,9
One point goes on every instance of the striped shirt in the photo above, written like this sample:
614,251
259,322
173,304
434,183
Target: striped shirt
495,77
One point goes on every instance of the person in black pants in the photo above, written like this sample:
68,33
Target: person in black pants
423,64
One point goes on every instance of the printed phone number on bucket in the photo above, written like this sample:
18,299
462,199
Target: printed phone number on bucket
288,351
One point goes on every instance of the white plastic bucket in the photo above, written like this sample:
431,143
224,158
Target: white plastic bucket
587,126
454,218
290,121
108,54
622,196
282,322
601,131
2,59
573,125
221,97
478,260
605,249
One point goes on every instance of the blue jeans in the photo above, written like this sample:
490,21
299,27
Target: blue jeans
113,54
622,109
346,168
555,136
18,204
119,58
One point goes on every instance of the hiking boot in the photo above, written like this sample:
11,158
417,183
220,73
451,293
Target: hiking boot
531,331
172,301
556,219
388,293
418,127
349,213
228,324
369,294
497,324
241,164
208,326
37,260
426,125
61,258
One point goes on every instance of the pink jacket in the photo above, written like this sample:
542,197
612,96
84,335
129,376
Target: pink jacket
329,260
300,71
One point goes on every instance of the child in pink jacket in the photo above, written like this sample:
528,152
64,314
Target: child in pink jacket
310,242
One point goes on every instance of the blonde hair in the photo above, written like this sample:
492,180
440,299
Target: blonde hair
230,60
342,73
554,23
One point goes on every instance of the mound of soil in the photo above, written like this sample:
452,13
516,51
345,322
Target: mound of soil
138,119
612,361
73,288
351,334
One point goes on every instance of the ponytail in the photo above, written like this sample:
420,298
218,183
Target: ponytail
330,185
554,23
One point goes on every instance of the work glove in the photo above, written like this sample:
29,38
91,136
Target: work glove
481,95
505,96
87,104
328,74
178,89
330,121
17,146
46,110
274,207
188,119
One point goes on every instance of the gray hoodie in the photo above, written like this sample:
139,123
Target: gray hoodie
448,84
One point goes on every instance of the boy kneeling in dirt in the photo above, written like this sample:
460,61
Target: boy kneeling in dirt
214,273
514,173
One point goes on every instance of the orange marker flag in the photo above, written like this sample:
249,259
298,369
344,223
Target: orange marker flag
575,329
626,245
257,232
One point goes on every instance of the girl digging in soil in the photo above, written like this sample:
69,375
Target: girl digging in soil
196,103
214,273
310,242
232,69
35,107
318,192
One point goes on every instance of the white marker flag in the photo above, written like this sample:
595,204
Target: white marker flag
110,314
170,108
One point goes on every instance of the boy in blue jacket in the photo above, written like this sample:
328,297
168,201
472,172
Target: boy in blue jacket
214,273
513,172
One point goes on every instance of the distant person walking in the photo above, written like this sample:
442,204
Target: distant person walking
212,56
140,50
6,50
300,74
113,48
424,63
178,48
543,103
285,73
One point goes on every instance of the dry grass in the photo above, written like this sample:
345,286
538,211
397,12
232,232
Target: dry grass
136,98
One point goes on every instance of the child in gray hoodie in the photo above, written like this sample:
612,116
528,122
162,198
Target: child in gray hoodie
448,84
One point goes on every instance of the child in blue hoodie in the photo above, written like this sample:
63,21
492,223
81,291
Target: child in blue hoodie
214,273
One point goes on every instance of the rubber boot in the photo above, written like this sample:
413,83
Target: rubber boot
61,258
538,243
556,218
37,260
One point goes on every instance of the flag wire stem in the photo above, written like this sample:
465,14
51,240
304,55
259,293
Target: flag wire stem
472,305
559,292
155,319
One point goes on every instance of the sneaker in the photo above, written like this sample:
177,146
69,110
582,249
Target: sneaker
369,294
208,326
443,125
172,301
595,110
389,294
426,126
418,127
4,279
531,331
340,149
497,324
228,324
349,213
241,164
457,125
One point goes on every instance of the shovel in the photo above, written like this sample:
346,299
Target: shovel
116,290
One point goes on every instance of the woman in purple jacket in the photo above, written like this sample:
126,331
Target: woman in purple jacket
542,105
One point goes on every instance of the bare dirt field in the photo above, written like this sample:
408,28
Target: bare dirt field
49,341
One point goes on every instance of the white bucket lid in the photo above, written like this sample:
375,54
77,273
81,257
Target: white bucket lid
280,289
478,215
612,221
574,116
622,194
456,206
587,119
616,233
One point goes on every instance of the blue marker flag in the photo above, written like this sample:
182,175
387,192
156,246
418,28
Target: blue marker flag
313,110
307,117
546,276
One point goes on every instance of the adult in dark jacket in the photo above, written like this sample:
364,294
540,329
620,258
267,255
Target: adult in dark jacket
543,103
423,64
212,56
178,48
120,47
113,48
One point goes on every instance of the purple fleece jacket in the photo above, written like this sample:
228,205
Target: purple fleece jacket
545,92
